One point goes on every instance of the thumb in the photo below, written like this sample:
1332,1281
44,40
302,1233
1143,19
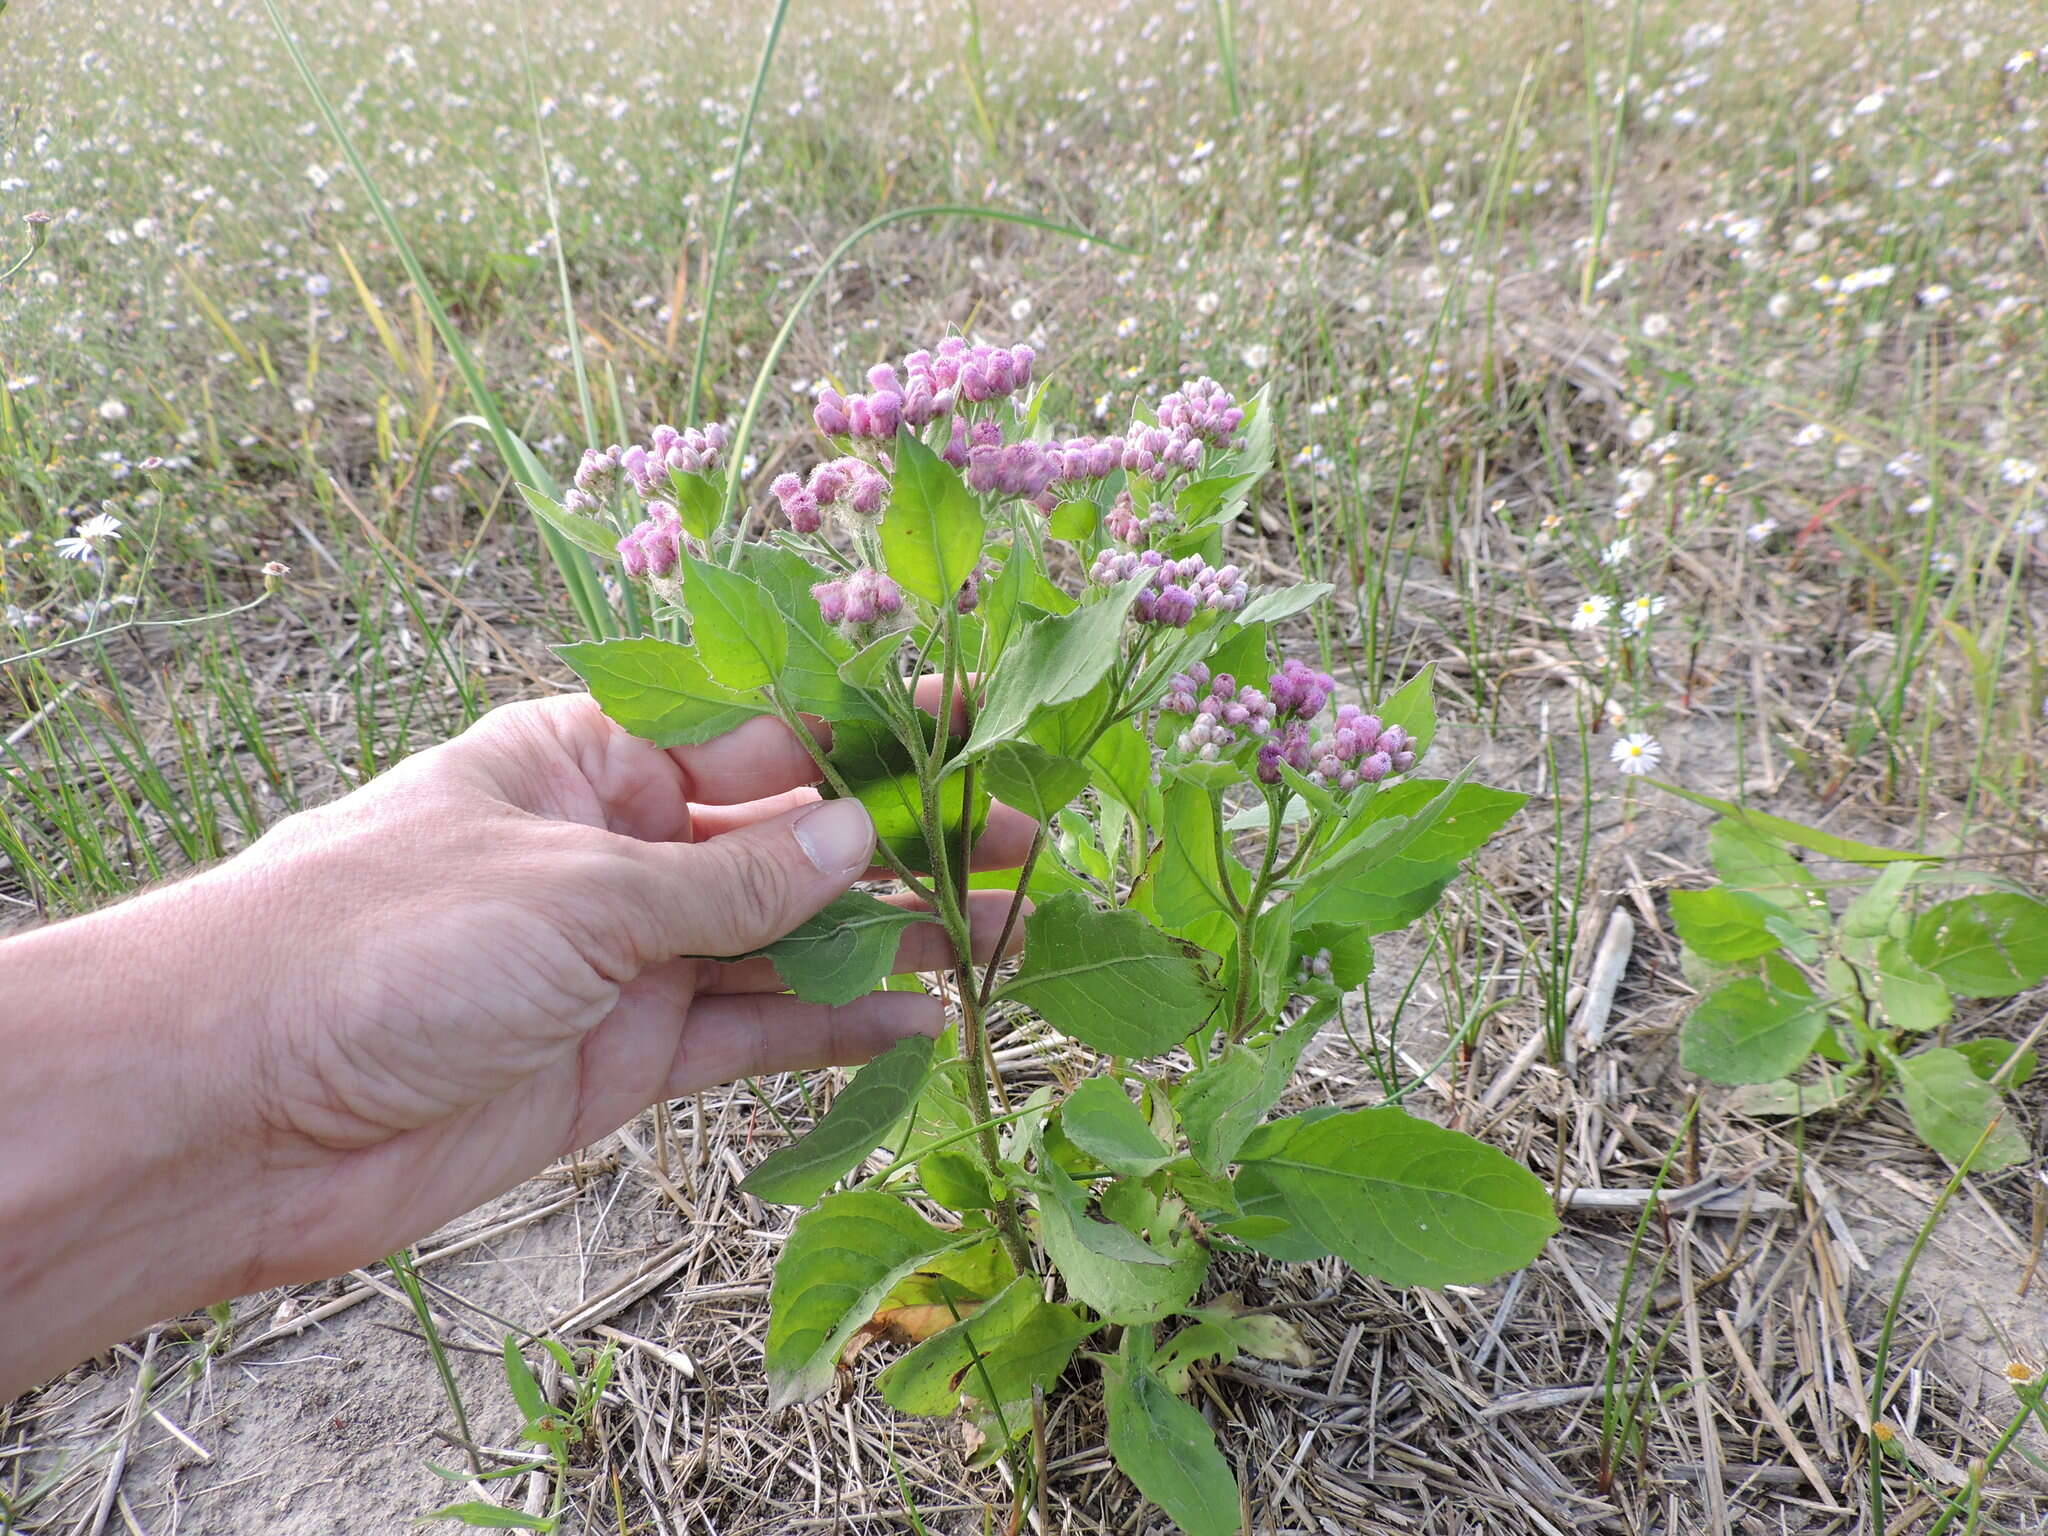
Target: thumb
748,887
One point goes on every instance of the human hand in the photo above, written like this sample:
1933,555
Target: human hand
398,1005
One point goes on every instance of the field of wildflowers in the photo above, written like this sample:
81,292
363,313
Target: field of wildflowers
1667,381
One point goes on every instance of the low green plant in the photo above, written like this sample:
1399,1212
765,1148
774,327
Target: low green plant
556,1430
1866,994
1212,859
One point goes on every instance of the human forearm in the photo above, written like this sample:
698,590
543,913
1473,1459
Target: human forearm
114,1208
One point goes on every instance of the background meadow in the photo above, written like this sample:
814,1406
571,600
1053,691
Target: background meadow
1666,375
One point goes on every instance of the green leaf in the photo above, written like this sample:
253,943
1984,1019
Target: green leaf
1410,1202
839,1263
1109,979
1766,825
954,1178
1110,1268
699,499
1987,1057
1167,1449
1222,1102
1102,1122
1054,660
1747,861
1074,521
1402,850
1752,1030
867,1110
878,768
658,690
844,951
1026,777
1725,926
526,1391
1795,1098
1984,946
1875,911
932,532
996,1354
1120,764
1412,706
812,678
586,533
1186,891
1951,1106
734,625
478,1515
1284,602
1912,998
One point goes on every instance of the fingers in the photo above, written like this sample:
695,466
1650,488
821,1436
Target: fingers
924,947
1003,843
751,1034
748,888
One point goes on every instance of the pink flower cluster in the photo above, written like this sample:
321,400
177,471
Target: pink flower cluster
1178,590
1122,523
932,383
857,601
1159,454
1027,468
1359,749
1011,469
646,466
655,546
1299,691
1224,713
1204,409
855,483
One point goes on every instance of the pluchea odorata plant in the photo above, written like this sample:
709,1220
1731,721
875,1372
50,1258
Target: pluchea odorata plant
1218,841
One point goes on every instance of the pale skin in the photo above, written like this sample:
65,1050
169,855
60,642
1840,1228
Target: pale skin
392,1008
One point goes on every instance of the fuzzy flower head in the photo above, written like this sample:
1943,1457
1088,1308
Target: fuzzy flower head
853,486
1122,523
1359,749
859,602
655,546
1225,715
1203,410
1177,590
1636,754
1298,691
1022,469
648,465
1160,453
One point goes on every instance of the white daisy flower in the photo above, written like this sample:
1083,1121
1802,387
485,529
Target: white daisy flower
1616,552
1637,753
85,540
1757,532
1637,612
1593,612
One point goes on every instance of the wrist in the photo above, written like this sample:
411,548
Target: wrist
119,1200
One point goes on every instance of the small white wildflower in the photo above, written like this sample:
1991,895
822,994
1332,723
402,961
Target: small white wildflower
1637,612
1593,612
1208,303
2017,471
303,405
1808,435
1757,532
85,540
1780,305
1934,295
1020,311
318,286
1127,327
1616,552
1870,105
1637,753
1656,326
1920,504
1643,428
113,410
1869,277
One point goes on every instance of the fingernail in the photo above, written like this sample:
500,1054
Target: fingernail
837,836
